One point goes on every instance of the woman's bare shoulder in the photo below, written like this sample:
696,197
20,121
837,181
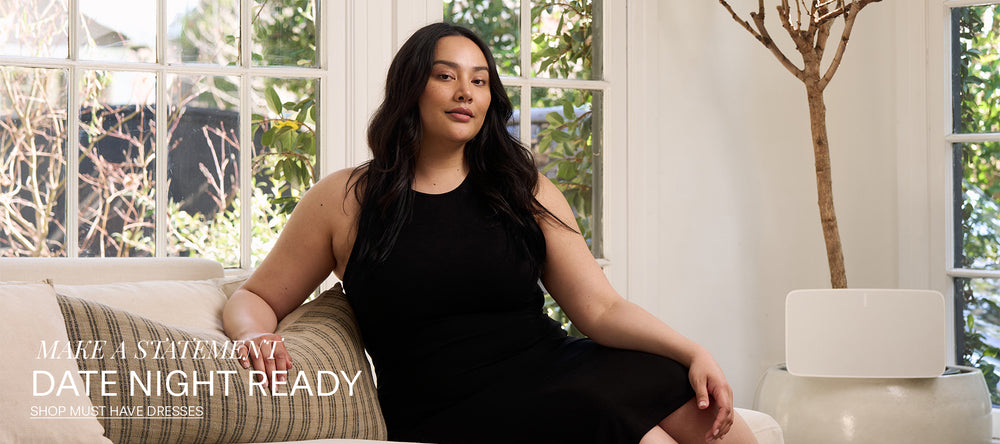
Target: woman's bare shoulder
339,181
545,189
553,200
337,190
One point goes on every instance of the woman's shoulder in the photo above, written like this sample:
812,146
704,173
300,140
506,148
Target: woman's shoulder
332,199
341,179
547,194
338,185
555,204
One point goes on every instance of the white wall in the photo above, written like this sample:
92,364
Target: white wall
722,197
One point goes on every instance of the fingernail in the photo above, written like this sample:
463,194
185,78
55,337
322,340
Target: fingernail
702,404
245,363
716,432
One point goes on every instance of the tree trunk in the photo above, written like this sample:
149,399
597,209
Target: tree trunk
824,186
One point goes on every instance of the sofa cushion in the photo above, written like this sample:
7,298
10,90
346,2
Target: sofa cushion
329,392
29,315
194,304
763,426
229,284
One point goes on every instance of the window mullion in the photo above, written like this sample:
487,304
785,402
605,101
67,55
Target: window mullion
246,142
526,39
72,243
971,273
322,62
525,105
193,69
952,4
74,30
34,62
525,120
161,186
556,83
972,137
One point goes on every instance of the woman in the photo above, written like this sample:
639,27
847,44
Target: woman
440,241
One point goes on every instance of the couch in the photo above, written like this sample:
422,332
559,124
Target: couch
132,350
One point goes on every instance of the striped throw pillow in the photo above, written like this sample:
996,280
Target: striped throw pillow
154,383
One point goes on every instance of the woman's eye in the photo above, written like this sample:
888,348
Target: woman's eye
479,82
444,76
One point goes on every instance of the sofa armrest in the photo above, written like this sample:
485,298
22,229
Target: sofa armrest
763,426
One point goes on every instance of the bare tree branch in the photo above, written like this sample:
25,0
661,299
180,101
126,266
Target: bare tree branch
821,38
796,35
849,17
842,9
821,6
784,9
801,8
829,16
764,37
745,24
795,70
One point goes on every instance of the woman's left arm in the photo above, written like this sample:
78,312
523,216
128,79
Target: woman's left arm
577,283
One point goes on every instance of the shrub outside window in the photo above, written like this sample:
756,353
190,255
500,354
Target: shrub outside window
145,128
975,141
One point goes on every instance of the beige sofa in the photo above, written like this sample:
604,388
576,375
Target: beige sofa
123,349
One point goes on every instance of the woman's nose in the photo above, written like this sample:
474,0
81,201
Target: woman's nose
462,94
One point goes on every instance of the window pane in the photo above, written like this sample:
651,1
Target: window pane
32,161
514,125
203,136
979,170
284,32
562,37
34,28
977,68
284,154
495,21
203,31
563,124
116,163
980,343
118,30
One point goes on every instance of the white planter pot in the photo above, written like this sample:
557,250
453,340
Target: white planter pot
952,408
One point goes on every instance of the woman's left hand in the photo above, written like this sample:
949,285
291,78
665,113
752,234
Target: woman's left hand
710,384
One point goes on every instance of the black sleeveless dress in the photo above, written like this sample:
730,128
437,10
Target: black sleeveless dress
463,351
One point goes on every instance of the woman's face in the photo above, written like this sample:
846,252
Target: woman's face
454,103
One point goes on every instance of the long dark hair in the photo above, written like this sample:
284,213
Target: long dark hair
500,168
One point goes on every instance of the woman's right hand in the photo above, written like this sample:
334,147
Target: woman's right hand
266,353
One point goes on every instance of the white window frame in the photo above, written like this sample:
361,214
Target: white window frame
328,51
924,155
951,138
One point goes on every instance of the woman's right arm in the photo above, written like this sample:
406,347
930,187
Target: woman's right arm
303,256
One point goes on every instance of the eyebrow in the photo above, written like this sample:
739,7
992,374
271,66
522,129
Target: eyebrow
454,65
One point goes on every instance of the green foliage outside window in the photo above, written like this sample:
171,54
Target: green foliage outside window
284,131
978,111
117,186
496,22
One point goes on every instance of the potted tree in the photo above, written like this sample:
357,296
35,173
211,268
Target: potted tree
840,403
